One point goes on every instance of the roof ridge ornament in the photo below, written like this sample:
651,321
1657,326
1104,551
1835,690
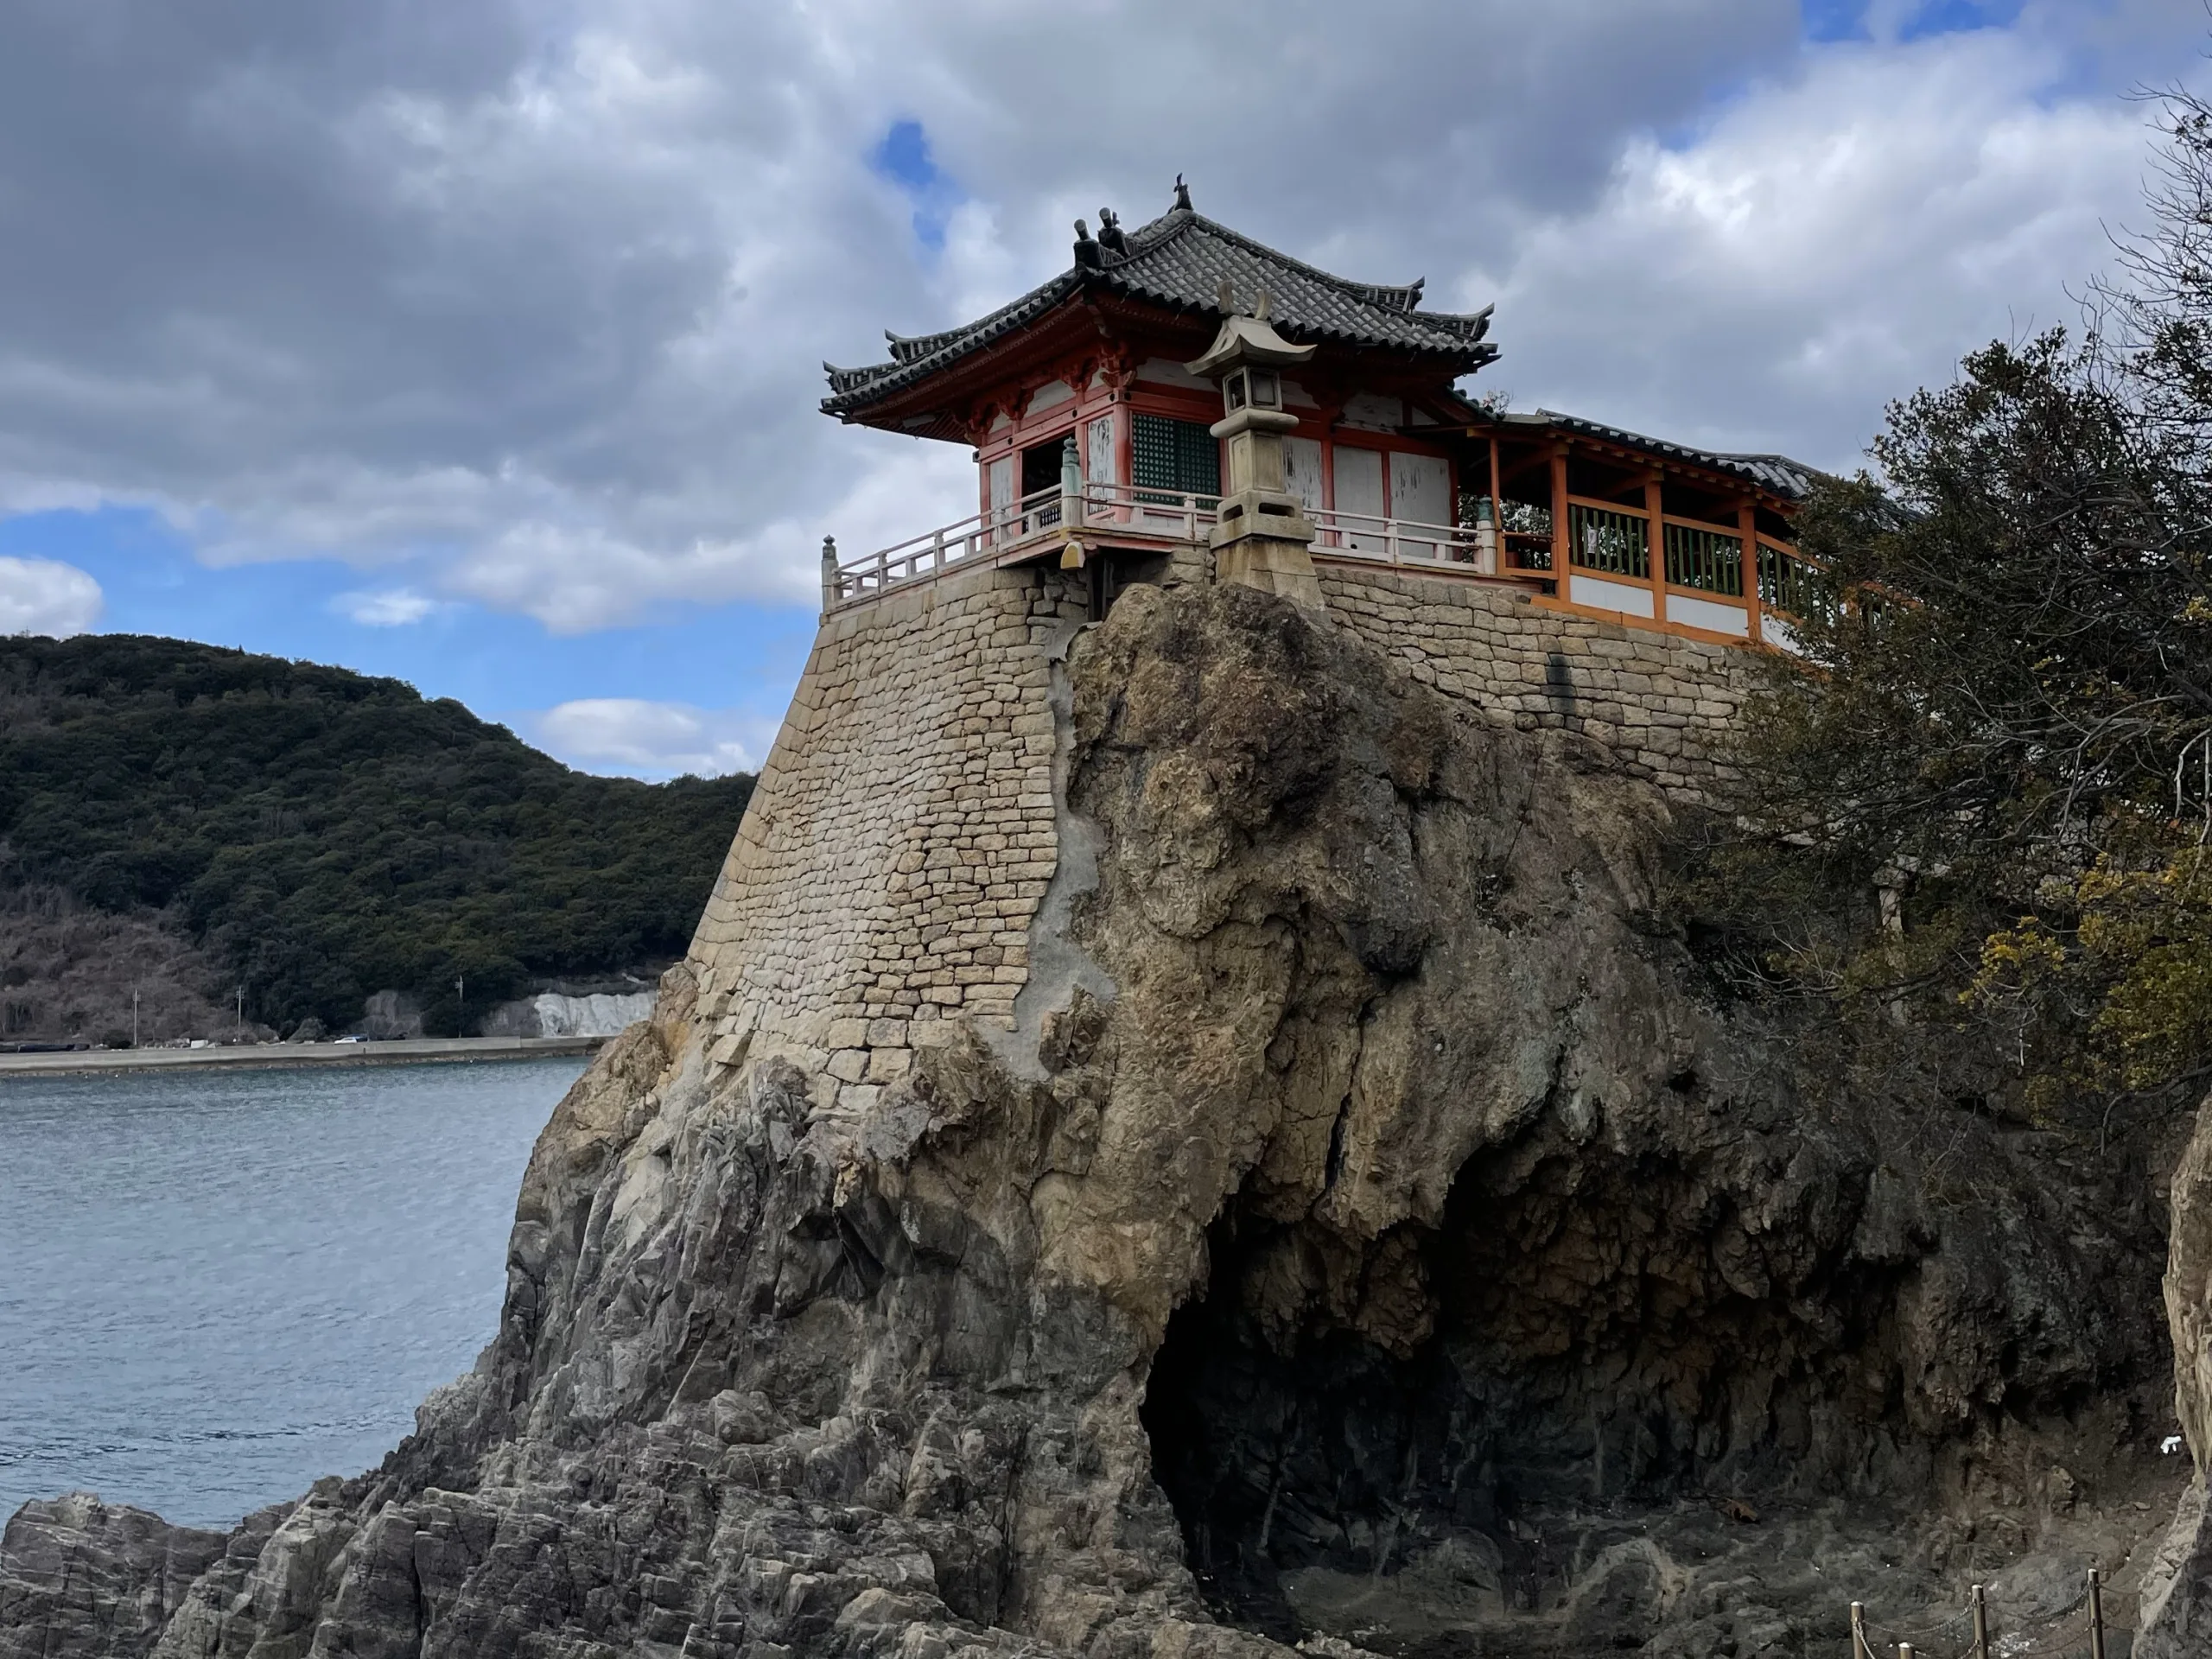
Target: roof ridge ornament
1110,236
1183,195
1224,298
1087,254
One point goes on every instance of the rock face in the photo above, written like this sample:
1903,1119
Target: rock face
555,1014
1363,1229
2178,1600
80,1577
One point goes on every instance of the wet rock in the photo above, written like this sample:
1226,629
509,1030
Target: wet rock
79,1576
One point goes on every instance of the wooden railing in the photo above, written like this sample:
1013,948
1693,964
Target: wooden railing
1702,560
1609,541
1788,582
1527,549
1150,511
1705,557
1399,540
1603,538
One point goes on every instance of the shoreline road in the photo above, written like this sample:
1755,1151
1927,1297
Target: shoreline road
420,1050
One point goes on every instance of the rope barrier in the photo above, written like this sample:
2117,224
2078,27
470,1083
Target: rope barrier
1893,1635
2084,1623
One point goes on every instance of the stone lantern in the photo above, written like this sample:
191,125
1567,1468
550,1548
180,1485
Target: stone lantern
1263,534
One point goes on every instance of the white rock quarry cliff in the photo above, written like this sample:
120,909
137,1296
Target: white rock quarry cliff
1182,1134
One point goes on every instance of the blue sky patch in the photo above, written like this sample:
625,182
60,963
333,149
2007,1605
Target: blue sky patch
903,156
1958,17
1834,20
1846,20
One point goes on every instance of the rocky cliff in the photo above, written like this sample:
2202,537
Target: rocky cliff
2177,1590
1366,1229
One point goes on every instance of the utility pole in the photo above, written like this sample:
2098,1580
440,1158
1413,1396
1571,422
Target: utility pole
241,1010
133,1016
460,1009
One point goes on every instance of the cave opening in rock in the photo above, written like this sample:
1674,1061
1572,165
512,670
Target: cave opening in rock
1582,1339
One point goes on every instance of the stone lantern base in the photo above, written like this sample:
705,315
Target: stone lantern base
1260,542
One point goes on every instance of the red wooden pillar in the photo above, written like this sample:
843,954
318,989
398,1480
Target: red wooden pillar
1500,560
1655,511
1561,560
1747,526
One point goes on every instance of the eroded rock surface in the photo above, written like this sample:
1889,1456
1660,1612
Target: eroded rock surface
1369,1235
2177,1601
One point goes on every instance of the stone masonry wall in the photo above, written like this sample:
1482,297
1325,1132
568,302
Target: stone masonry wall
1666,705
901,835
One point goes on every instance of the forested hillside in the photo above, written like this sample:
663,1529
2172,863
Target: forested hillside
319,835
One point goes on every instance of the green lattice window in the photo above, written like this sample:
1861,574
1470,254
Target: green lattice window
1175,459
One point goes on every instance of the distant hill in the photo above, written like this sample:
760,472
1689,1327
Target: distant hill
318,836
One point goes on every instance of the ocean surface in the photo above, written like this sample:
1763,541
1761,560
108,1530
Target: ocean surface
215,1287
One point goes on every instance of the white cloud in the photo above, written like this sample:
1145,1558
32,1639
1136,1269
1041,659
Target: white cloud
45,596
524,306
387,607
1828,243
653,740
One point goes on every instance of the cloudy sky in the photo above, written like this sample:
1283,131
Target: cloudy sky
477,342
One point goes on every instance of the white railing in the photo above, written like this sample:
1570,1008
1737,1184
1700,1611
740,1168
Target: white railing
1161,513
1403,540
1158,514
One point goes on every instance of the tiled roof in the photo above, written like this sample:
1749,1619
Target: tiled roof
1778,473
1180,260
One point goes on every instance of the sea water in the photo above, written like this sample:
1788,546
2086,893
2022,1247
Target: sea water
216,1287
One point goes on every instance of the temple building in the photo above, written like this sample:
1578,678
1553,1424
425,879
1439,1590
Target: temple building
1183,393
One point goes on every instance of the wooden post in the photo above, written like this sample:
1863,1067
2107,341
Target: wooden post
1905,1651
1747,525
1981,1620
1125,454
2096,1615
1858,1648
1655,532
1499,561
1562,558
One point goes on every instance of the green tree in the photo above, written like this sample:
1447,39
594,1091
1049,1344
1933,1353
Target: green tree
2010,709
325,834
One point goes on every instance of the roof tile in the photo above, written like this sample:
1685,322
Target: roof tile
1180,260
